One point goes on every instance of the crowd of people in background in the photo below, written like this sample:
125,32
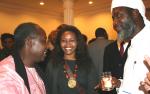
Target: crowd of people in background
65,62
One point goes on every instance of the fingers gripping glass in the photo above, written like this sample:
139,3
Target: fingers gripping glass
106,81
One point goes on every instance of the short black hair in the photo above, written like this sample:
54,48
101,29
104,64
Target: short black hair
101,32
5,36
25,30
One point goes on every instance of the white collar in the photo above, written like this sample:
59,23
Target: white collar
138,38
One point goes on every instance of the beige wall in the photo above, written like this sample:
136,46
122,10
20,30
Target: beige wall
88,24
87,21
10,19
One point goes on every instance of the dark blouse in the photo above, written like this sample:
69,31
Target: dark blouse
58,83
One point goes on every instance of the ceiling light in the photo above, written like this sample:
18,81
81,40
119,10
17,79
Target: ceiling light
90,2
42,3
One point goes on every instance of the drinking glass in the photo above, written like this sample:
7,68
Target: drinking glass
106,81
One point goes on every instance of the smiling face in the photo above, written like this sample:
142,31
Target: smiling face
123,22
68,44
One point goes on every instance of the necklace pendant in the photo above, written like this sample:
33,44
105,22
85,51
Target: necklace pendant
72,83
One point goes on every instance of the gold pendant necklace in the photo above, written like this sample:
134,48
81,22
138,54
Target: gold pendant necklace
72,82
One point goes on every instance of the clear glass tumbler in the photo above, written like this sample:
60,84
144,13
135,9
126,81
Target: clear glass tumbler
106,81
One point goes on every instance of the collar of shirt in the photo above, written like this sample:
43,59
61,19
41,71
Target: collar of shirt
124,45
144,34
100,38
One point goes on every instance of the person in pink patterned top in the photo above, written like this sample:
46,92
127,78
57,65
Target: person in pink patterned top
17,71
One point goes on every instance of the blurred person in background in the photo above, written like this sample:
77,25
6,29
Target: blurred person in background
7,41
96,48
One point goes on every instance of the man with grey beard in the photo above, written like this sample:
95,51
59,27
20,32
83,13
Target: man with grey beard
131,24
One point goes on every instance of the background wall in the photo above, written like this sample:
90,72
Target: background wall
9,21
88,23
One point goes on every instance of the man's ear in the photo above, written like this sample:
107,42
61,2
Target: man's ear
28,42
135,14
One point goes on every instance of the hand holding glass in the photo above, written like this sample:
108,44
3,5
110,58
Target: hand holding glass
106,81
